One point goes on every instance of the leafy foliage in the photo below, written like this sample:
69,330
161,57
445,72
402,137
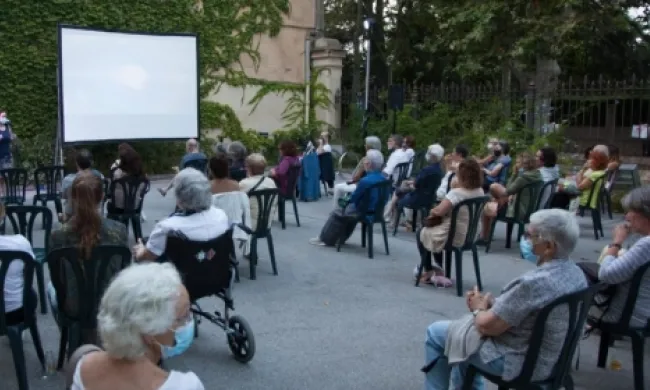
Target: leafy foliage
28,61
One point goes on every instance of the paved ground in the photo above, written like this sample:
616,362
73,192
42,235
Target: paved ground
333,321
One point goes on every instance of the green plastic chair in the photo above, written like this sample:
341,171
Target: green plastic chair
534,191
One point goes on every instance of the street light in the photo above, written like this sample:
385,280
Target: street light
367,26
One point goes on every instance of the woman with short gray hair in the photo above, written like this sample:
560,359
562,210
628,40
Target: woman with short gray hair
144,316
618,267
342,189
506,322
237,155
196,218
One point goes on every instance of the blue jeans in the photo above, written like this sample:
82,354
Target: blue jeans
439,376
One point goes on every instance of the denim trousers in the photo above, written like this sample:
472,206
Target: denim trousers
439,376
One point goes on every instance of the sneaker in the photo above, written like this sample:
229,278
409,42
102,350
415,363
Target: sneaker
316,241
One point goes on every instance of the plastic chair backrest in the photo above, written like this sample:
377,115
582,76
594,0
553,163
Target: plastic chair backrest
611,179
382,190
80,282
451,178
265,200
544,198
578,306
533,190
418,162
475,208
292,181
51,178
15,183
205,266
134,189
402,170
23,219
6,258
598,184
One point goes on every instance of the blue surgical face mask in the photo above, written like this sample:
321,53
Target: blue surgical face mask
183,338
526,250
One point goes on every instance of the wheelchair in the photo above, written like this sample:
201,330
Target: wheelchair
208,268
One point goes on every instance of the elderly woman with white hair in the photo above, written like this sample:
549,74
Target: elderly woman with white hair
340,190
505,323
144,316
196,218
412,193
372,165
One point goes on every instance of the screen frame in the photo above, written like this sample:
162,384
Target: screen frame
62,26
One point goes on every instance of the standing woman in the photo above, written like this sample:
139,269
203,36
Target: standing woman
6,138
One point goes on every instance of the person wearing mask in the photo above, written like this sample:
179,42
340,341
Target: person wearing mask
548,169
506,323
497,170
144,317
489,158
192,154
452,160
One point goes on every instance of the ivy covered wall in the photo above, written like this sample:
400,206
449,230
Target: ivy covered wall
28,59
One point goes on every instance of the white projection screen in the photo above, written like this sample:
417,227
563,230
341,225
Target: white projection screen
117,86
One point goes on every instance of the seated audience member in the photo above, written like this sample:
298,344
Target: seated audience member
256,180
85,230
220,181
594,169
196,219
237,155
614,158
144,317
408,195
489,158
497,170
434,238
288,158
82,161
452,160
617,268
14,280
506,322
192,154
547,162
372,166
342,189
397,156
525,173
128,164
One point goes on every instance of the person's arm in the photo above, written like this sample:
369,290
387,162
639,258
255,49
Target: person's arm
494,171
390,165
359,172
515,185
616,270
488,159
584,184
283,167
442,209
155,246
508,310
358,192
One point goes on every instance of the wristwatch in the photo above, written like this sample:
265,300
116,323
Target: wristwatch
475,312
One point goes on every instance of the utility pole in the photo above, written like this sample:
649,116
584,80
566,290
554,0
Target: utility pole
320,18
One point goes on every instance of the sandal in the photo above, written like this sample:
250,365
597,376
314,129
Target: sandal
441,281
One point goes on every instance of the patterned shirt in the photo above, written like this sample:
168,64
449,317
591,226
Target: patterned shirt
619,271
519,304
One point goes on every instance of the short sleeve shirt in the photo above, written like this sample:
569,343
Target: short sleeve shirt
520,303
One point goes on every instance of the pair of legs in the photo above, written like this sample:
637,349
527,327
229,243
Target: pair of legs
340,190
432,274
500,199
439,376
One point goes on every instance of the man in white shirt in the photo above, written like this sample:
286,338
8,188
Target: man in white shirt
397,157
197,219
14,280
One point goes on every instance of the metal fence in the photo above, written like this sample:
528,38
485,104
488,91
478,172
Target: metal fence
589,110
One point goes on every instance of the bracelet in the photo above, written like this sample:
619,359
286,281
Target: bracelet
614,245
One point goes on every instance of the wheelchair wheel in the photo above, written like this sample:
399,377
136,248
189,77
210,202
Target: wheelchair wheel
240,339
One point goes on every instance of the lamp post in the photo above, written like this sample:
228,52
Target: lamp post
368,23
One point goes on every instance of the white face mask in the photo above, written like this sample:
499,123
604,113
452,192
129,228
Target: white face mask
4,120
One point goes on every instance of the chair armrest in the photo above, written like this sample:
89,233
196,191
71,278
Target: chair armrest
245,228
